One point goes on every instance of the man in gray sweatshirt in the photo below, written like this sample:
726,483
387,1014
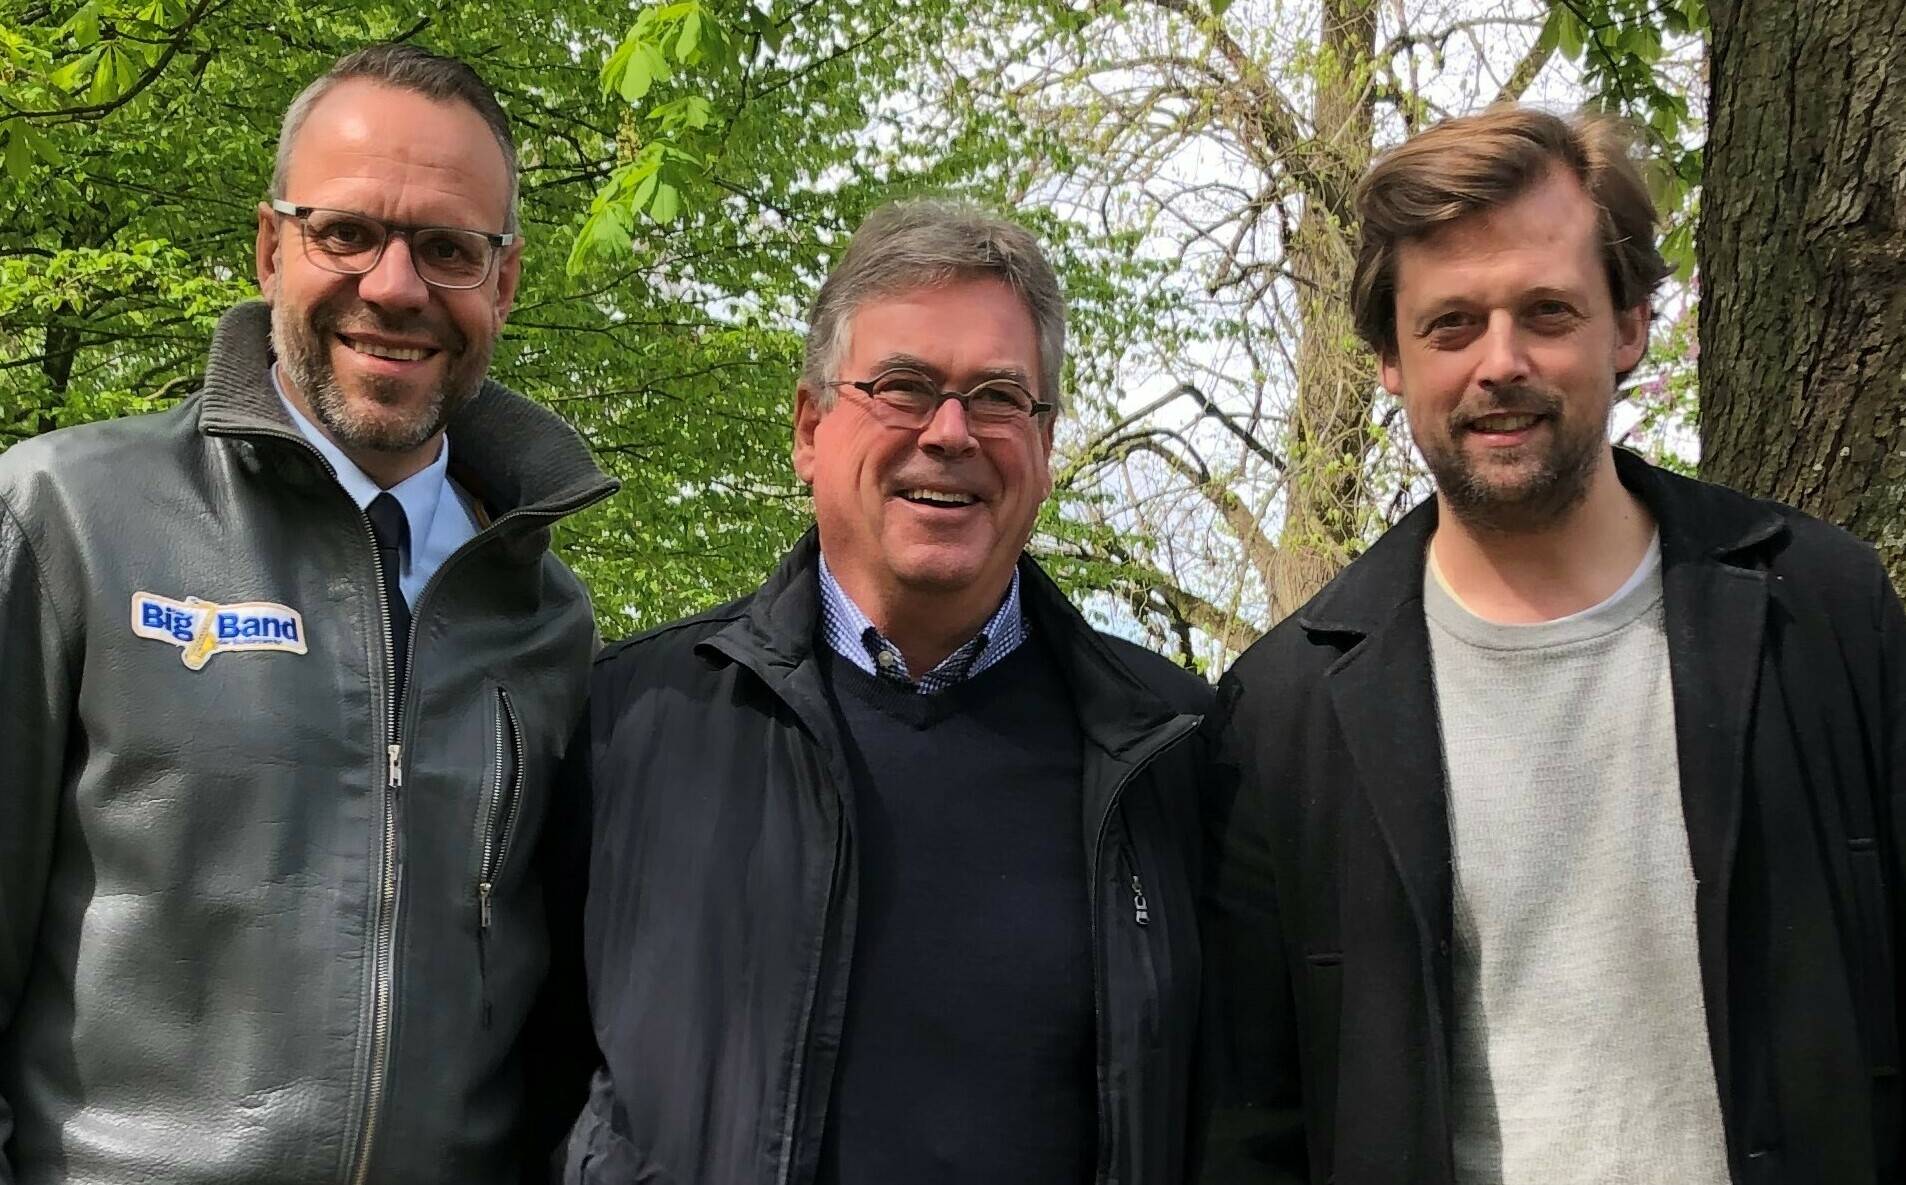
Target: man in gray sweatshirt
1557,842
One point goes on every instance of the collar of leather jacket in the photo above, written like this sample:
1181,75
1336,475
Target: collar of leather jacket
1699,522
511,452
1117,710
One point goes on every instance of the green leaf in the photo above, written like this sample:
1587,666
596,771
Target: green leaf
42,147
645,189
67,77
1677,248
104,88
1551,30
667,204
126,69
637,75
1570,36
612,70
19,157
656,61
84,25
691,37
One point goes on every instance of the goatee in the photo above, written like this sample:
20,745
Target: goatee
1521,489
303,348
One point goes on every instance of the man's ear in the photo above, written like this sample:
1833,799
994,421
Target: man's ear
1631,336
509,272
807,418
1045,449
1390,370
266,260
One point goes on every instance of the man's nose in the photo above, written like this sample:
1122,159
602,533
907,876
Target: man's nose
1504,361
394,282
948,431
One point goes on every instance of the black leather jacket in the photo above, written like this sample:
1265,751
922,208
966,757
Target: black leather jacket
722,880
248,931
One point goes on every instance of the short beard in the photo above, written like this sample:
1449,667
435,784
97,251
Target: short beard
303,349
1559,483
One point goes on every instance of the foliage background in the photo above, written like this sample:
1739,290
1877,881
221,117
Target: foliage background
690,167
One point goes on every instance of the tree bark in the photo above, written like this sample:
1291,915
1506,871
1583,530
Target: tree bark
1802,250
1330,420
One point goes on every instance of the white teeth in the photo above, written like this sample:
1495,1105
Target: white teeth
938,497
395,353
1505,423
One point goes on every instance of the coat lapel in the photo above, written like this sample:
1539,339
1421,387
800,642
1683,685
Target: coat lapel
1384,696
1385,699
1715,601
1715,617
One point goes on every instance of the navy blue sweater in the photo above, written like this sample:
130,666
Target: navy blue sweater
967,1052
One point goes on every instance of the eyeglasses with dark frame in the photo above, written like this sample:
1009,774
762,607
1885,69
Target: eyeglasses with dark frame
908,399
351,244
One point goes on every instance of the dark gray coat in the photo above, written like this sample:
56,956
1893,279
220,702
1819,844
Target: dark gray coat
240,939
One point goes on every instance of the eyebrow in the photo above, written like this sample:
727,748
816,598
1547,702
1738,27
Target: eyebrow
904,361
1418,323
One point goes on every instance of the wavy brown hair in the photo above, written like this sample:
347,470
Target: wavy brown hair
1465,166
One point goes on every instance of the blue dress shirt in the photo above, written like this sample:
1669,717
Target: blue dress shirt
853,636
440,520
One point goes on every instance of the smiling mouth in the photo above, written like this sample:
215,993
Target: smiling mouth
391,353
947,498
1504,422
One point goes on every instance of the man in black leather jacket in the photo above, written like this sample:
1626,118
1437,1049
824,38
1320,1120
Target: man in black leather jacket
288,669
893,861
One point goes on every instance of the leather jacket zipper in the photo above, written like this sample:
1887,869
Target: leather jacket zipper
385,925
1170,736
384,928
498,826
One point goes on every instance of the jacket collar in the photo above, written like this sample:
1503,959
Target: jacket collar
780,628
1699,522
516,454
1382,689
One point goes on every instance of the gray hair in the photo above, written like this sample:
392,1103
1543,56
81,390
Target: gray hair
405,67
905,246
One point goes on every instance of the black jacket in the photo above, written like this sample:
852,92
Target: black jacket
1329,928
722,892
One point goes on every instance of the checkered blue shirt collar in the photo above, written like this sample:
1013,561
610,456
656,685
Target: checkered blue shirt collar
851,635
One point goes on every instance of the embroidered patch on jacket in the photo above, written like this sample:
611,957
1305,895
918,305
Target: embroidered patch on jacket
203,628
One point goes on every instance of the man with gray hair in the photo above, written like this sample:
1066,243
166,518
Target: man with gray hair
891,870
289,667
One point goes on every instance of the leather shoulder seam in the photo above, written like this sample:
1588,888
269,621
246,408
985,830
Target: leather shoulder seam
18,528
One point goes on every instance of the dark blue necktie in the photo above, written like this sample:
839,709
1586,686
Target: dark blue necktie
392,528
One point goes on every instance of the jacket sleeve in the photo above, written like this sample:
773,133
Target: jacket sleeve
1893,681
1252,1078
36,705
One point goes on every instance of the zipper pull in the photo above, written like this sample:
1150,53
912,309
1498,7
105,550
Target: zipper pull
1140,911
483,960
396,774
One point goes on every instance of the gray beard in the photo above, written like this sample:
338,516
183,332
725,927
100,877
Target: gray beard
301,346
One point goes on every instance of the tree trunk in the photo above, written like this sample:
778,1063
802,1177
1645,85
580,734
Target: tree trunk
1330,419
1803,261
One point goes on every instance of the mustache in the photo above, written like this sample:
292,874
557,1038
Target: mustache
327,319
1515,400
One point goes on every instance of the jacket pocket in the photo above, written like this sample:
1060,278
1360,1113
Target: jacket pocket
502,804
